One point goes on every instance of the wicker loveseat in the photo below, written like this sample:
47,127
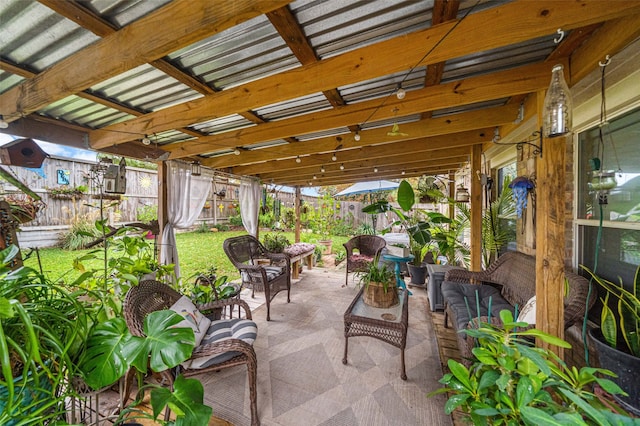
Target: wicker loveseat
509,281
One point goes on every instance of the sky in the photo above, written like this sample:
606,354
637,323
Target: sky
54,149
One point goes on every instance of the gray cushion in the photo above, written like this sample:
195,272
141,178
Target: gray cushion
243,329
461,301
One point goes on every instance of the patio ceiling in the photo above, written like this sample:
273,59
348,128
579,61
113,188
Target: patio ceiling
276,81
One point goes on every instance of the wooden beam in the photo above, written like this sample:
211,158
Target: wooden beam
610,39
476,209
437,146
178,24
476,89
550,234
366,176
474,120
511,23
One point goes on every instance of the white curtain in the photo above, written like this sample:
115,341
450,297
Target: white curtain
249,195
186,195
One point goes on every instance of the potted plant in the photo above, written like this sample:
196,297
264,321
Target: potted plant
208,287
379,285
512,382
617,341
275,242
42,327
416,222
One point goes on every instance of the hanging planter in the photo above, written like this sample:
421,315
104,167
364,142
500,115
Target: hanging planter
24,209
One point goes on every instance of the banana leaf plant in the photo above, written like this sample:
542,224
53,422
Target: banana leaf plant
416,222
624,321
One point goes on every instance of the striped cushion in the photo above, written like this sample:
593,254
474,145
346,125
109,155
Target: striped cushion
243,329
272,272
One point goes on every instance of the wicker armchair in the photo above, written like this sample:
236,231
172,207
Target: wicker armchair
212,354
246,252
369,247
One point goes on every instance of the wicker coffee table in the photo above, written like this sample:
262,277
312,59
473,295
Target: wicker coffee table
389,325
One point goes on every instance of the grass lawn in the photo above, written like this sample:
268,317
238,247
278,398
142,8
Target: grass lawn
197,251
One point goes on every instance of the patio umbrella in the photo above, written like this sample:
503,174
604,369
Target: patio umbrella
368,187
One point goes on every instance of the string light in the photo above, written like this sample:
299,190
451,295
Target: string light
403,173
146,140
321,169
375,170
333,157
357,136
400,94
341,166
315,177
298,159
236,151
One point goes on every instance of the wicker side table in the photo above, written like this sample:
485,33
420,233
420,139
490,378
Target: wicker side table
389,325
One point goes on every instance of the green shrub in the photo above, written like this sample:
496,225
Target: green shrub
147,213
81,233
235,220
202,228
221,227
275,242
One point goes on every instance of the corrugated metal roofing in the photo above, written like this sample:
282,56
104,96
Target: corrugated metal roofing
77,110
123,12
223,124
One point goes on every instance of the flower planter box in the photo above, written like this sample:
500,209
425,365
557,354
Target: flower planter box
398,251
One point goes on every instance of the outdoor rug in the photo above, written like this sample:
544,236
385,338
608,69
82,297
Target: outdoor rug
301,377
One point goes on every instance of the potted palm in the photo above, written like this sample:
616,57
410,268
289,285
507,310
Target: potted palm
617,341
379,285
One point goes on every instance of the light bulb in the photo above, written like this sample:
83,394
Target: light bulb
298,159
375,170
357,136
333,157
341,166
236,151
403,173
401,93
3,123
557,118
315,177
322,169
146,140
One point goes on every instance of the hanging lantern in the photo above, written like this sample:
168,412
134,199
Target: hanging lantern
462,194
557,112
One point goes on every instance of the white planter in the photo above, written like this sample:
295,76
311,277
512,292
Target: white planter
398,251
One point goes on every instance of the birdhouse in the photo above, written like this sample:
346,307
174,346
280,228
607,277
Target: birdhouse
22,153
115,178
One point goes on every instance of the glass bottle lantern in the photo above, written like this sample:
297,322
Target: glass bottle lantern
557,106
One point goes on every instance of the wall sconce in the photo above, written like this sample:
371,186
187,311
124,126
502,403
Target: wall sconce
557,118
462,194
196,169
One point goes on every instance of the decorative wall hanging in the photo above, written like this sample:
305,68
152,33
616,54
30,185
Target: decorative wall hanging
522,186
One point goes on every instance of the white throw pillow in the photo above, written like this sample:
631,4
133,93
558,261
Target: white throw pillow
528,312
193,318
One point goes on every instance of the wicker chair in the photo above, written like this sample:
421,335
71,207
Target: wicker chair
246,252
369,247
149,296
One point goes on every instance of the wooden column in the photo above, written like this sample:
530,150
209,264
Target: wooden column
550,234
297,207
476,208
452,195
162,202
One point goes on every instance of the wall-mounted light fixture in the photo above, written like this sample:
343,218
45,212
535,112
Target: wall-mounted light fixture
196,169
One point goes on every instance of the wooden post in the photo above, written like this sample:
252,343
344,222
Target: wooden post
550,235
476,208
297,209
162,203
452,194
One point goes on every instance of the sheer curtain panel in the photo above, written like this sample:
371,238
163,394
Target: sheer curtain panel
250,191
186,195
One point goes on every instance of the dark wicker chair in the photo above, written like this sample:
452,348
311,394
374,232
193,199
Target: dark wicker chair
246,254
149,296
369,247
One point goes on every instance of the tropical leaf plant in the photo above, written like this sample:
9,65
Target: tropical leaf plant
512,382
624,320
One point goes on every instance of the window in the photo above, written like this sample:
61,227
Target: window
618,252
506,216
